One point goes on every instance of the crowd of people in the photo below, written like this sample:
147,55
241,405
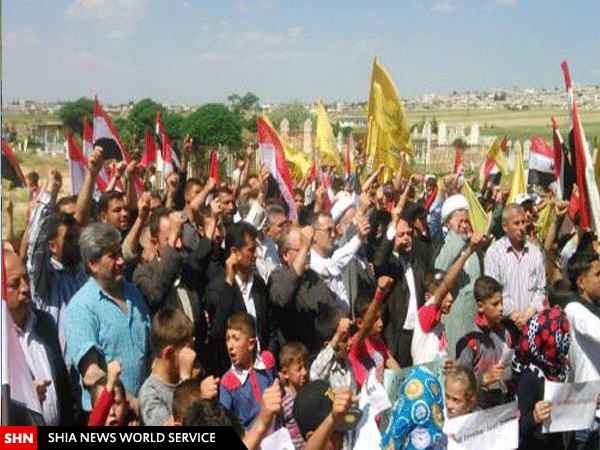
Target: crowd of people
203,304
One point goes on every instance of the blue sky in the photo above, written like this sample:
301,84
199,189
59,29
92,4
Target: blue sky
200,51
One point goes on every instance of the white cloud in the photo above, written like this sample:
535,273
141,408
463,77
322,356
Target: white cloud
19,40
121,16
443,6
261,39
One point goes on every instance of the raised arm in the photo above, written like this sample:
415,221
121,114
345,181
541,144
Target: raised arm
179,194
477,239
384,283
120,170
131,244
84,198
130,193
200,199
367,184
307,235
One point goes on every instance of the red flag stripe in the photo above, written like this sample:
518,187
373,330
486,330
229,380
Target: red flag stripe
274,156
7,151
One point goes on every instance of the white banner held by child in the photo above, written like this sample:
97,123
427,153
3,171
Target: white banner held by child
491,429
573,405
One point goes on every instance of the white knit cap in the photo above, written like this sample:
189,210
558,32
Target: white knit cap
453,203
341,206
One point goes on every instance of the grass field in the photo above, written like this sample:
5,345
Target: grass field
515,124
19,196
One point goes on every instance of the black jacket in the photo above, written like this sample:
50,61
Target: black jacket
395,307
222,300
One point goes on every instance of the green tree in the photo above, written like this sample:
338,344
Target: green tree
173,123
249,102
213,124
71,114
143,115
296,113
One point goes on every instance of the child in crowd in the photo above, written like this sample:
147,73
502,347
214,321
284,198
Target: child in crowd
202,413
332,363
484,347
366,348
243,384
323,417
429,339
417,416
186,393
292,359
191,390
461,392
541,355
109,399
583,313
172,339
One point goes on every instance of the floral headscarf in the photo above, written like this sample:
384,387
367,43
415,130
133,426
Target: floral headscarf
417,416
545,344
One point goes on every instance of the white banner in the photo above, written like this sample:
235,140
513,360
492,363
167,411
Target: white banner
491,429
373,400
573,405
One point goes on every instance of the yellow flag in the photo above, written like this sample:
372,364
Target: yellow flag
480,221
544,220
326,144
298,164
496,154
519,185
597,166
388,135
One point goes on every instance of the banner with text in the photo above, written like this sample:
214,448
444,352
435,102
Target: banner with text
573,405
491,429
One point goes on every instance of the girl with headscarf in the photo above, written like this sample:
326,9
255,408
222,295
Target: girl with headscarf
542,355
417,416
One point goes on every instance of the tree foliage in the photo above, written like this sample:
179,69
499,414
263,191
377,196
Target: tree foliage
71,114
296,114
249,102
143,115
213,124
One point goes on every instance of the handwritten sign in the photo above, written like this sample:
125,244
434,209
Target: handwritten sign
491,429
573,405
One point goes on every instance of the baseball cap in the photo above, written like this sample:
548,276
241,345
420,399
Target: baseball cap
314,402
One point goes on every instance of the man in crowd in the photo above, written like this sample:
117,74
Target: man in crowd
455,216
238,289
107,319
38,336
397,258
518,265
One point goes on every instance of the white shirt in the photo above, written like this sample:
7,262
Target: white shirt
523,274
39,366
184,298
246,288
267,258
584,327
331,269
411,313
242,374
